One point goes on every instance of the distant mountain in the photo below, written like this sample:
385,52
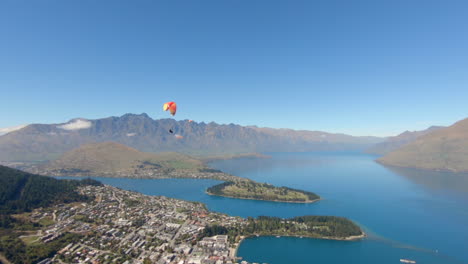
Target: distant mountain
443,149
43,142
393,143
6,130
305,140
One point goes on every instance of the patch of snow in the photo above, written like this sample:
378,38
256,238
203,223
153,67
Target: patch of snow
76,124
131,134
7,130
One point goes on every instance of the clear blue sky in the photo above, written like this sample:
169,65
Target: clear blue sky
357,67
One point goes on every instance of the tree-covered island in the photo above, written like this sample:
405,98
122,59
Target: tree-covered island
262,191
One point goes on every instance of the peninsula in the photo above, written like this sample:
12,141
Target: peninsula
262,191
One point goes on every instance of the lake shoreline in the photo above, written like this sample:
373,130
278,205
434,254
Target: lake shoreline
445,170
349,238
234,156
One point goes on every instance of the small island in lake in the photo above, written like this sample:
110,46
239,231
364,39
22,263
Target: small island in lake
262,191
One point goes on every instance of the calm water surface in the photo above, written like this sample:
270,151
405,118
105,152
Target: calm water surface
407,213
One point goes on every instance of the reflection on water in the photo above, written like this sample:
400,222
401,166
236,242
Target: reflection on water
436,180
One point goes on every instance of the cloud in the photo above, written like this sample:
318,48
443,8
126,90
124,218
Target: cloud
7,130
76,125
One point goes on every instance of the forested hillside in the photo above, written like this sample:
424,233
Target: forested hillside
21,191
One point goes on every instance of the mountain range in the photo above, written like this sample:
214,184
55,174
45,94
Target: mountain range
45,142
443,149
136,137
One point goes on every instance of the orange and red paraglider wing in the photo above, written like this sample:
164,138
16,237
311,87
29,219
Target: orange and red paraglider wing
173,108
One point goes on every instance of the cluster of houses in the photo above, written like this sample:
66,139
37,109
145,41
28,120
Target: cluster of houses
127,227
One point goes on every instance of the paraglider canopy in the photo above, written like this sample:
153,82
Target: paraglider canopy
171,106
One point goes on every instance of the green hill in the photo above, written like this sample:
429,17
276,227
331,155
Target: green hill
21,191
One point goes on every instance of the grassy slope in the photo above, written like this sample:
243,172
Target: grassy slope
114,157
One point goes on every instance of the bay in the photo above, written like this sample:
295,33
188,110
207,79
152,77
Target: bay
403,215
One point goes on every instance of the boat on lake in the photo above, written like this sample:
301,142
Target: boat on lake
407,261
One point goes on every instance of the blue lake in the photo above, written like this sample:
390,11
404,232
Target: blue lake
406,213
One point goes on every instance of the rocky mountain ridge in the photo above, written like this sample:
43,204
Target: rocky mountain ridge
45,142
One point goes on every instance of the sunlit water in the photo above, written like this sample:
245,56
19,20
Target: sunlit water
406,213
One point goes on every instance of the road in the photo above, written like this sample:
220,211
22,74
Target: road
172,243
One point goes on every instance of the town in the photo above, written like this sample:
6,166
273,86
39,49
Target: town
127,227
